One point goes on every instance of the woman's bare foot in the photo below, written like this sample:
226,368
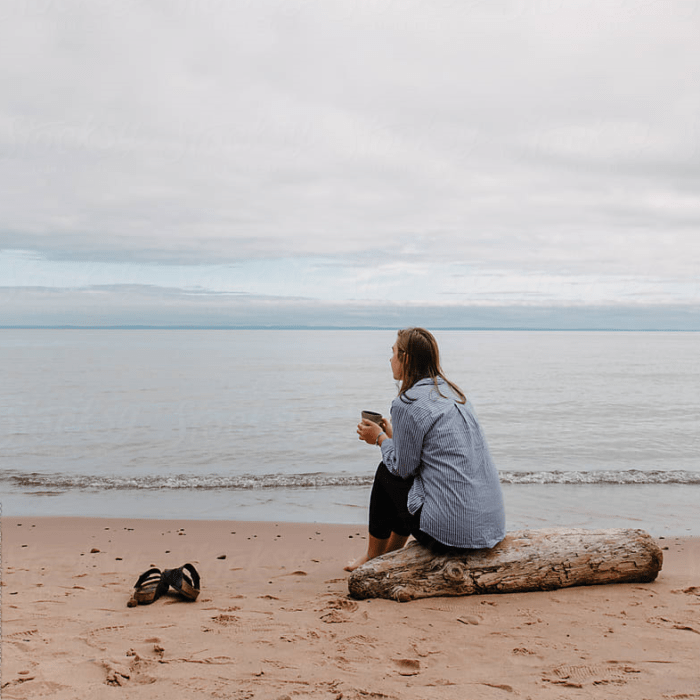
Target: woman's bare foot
378,547
357,563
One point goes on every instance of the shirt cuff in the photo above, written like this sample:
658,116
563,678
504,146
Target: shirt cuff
387,448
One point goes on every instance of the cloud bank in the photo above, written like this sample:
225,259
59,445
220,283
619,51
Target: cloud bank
435,153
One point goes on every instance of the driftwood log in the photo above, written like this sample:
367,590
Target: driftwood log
526,560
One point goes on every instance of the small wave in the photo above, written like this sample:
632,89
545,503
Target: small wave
211,482
630,476
184,481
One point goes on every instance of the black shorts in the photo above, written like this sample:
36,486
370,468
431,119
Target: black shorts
388,512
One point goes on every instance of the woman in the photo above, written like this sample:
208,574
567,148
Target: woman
437,480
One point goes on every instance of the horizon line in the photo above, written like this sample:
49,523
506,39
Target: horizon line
610,329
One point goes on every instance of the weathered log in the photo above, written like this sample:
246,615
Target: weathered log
526,560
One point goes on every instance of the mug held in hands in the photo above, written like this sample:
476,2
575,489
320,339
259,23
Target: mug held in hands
372,416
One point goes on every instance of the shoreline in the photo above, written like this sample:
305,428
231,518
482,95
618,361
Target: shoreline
274,621
663,510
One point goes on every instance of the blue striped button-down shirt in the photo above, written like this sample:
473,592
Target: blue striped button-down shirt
439,442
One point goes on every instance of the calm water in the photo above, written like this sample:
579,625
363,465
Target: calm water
587,428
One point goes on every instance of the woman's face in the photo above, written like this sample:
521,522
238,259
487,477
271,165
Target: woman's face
396,365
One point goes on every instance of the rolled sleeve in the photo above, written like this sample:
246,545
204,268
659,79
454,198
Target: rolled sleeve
402,455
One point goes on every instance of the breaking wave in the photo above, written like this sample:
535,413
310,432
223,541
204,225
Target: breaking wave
66,482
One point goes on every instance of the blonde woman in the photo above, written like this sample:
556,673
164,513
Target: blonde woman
436,480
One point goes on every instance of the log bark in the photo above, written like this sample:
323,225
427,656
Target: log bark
526,560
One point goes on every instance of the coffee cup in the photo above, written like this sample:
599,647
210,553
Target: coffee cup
373,416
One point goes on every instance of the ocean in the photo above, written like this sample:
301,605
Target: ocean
587,429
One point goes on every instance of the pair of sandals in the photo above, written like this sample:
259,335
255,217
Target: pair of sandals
154,583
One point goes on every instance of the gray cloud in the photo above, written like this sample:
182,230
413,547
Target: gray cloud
524,135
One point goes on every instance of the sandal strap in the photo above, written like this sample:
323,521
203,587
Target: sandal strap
186,585
150,576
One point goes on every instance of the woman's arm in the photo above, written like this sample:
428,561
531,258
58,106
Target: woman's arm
402,453
388,427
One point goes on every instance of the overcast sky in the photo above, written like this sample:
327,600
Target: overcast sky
347,155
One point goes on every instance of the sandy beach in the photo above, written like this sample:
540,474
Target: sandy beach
274,621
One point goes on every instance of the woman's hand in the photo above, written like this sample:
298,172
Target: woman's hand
388,428
369,431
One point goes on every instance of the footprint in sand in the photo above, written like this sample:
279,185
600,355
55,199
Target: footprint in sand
611,673
20,636
407,667
361,640
343,604
120,674
99,638
335,617
469,620
338,610
692,590
248,622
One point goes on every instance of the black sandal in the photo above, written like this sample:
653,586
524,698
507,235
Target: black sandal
150,586
187,585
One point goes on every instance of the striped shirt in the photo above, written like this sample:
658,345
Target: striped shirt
439,442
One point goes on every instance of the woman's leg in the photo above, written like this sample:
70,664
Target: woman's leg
377,547
389,519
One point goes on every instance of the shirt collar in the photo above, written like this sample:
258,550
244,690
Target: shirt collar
429,380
